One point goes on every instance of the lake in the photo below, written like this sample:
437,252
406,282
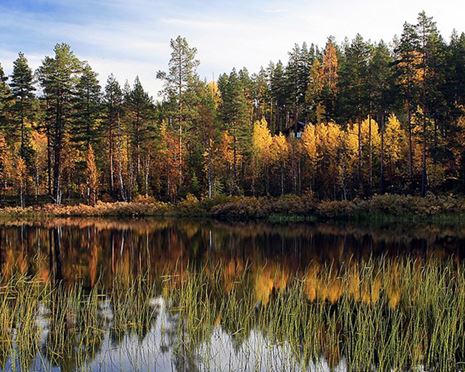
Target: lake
189,295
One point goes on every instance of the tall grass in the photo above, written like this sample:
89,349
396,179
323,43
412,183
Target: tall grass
387,314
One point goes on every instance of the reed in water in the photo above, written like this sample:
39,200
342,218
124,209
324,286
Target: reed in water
382,314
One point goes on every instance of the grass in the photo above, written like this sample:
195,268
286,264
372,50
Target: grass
289,208
387,314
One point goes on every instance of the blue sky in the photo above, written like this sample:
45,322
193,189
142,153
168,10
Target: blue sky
131,37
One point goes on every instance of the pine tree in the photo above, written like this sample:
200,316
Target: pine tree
455,78
139,105
22,89
407,80
297,75
261,96
278,96
313,95
87,110
113,111
431,53
178,90
381,93
235,114
329,79
206,134
5,101
354,91
58,76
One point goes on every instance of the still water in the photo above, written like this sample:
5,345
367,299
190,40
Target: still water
188,295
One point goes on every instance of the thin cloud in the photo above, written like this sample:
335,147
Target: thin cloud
130,38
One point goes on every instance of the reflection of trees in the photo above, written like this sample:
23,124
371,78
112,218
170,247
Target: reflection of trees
59,347
91,249
294,285
359,308
132,309
76,328
353,307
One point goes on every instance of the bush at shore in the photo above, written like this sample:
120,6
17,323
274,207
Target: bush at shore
242,208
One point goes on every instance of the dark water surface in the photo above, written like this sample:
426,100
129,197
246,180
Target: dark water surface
337,268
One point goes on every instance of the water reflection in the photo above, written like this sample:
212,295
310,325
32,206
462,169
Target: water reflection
84,250
254,264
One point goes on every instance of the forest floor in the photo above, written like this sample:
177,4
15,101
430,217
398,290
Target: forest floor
378,208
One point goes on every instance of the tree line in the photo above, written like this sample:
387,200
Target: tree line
350,119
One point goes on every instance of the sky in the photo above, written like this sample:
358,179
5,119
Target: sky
131,37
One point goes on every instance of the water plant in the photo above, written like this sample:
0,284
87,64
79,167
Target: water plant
381,314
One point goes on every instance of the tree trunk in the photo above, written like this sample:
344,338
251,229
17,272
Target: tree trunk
147,169
49,163
410,147
381,170
112,171
210,186
57,161
21,194
359,166
424,177
370,145
235,162
120,162
267,181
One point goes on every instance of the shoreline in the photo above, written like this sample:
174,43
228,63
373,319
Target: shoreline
290,208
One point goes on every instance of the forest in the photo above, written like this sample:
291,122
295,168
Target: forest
350,119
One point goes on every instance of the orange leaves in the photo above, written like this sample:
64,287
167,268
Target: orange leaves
279,149
411,63
395,140
261,141
269,149
309,142
226,149
92,176
330,66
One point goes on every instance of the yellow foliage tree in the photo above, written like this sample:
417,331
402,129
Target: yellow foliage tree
6,164
330,66
261,145
92,176
261,140
395,141
215,92
40,147
328,137
371,143
21,178
279,153
309,144
348,158
396,149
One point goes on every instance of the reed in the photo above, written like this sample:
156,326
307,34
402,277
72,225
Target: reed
384,314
